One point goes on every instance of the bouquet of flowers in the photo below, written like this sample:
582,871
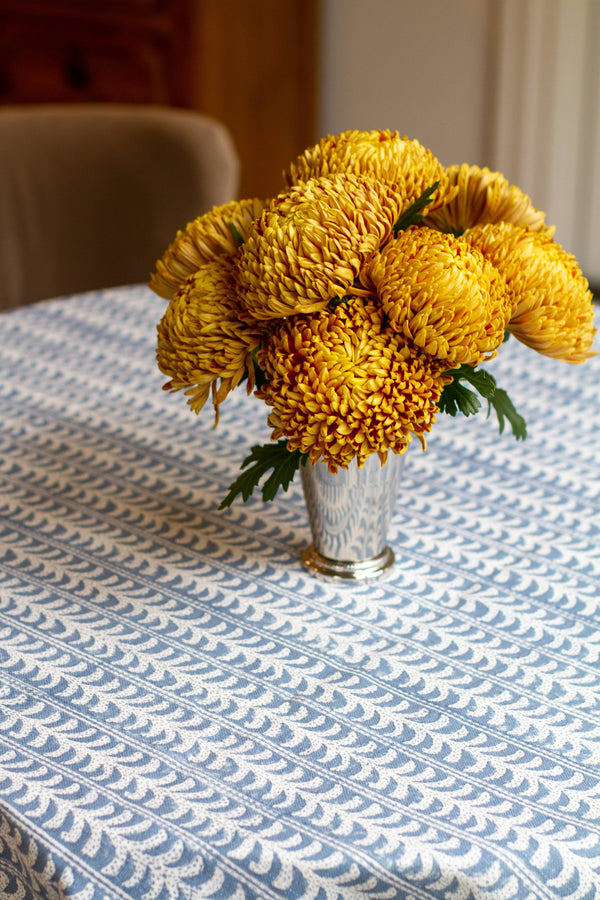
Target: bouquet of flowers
362,299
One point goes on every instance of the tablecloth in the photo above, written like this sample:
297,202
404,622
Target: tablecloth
186,712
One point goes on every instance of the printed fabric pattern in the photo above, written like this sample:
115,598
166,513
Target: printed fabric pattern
186,713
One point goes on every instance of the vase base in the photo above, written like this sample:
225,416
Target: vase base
348,570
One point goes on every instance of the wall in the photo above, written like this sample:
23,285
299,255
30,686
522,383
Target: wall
422,67
547,115
512,84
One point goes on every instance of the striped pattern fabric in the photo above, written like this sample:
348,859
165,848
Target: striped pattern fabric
186,713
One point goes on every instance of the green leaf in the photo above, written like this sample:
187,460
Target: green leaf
503,407
262,458
413,215
337,301
260,379
482,381
457,398
236,234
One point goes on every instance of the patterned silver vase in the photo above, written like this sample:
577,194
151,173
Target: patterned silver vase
349,514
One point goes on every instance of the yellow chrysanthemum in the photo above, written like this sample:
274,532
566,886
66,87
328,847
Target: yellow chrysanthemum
553,311
484,196
311,243
383,155
201,338
442,295
342,385
206,238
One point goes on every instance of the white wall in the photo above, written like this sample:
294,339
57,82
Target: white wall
547,115
512,84
421,67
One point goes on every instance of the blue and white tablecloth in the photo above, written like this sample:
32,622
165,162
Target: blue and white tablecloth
186,713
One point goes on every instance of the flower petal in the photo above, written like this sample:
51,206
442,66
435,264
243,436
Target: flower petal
201,337
343,384
203,240
442,295
552,304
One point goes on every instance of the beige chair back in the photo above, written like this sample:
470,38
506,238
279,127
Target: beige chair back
91,195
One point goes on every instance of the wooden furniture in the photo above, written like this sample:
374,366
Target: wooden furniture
250,63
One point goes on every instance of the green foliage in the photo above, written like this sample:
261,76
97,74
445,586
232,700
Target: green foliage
414,214
458,398
260,379
337,301
504,408
275,456
236,234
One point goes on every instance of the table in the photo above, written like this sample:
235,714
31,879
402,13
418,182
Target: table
185,712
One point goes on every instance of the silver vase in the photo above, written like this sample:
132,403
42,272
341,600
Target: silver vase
349,514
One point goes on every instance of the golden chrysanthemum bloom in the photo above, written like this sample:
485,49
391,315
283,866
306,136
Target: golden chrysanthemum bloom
202,339
484,196
311,243
442,295
552,303
342,384
203,240
383,155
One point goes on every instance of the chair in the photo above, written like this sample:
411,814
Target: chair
91,195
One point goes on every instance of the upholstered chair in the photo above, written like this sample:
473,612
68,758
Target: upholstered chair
91,195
